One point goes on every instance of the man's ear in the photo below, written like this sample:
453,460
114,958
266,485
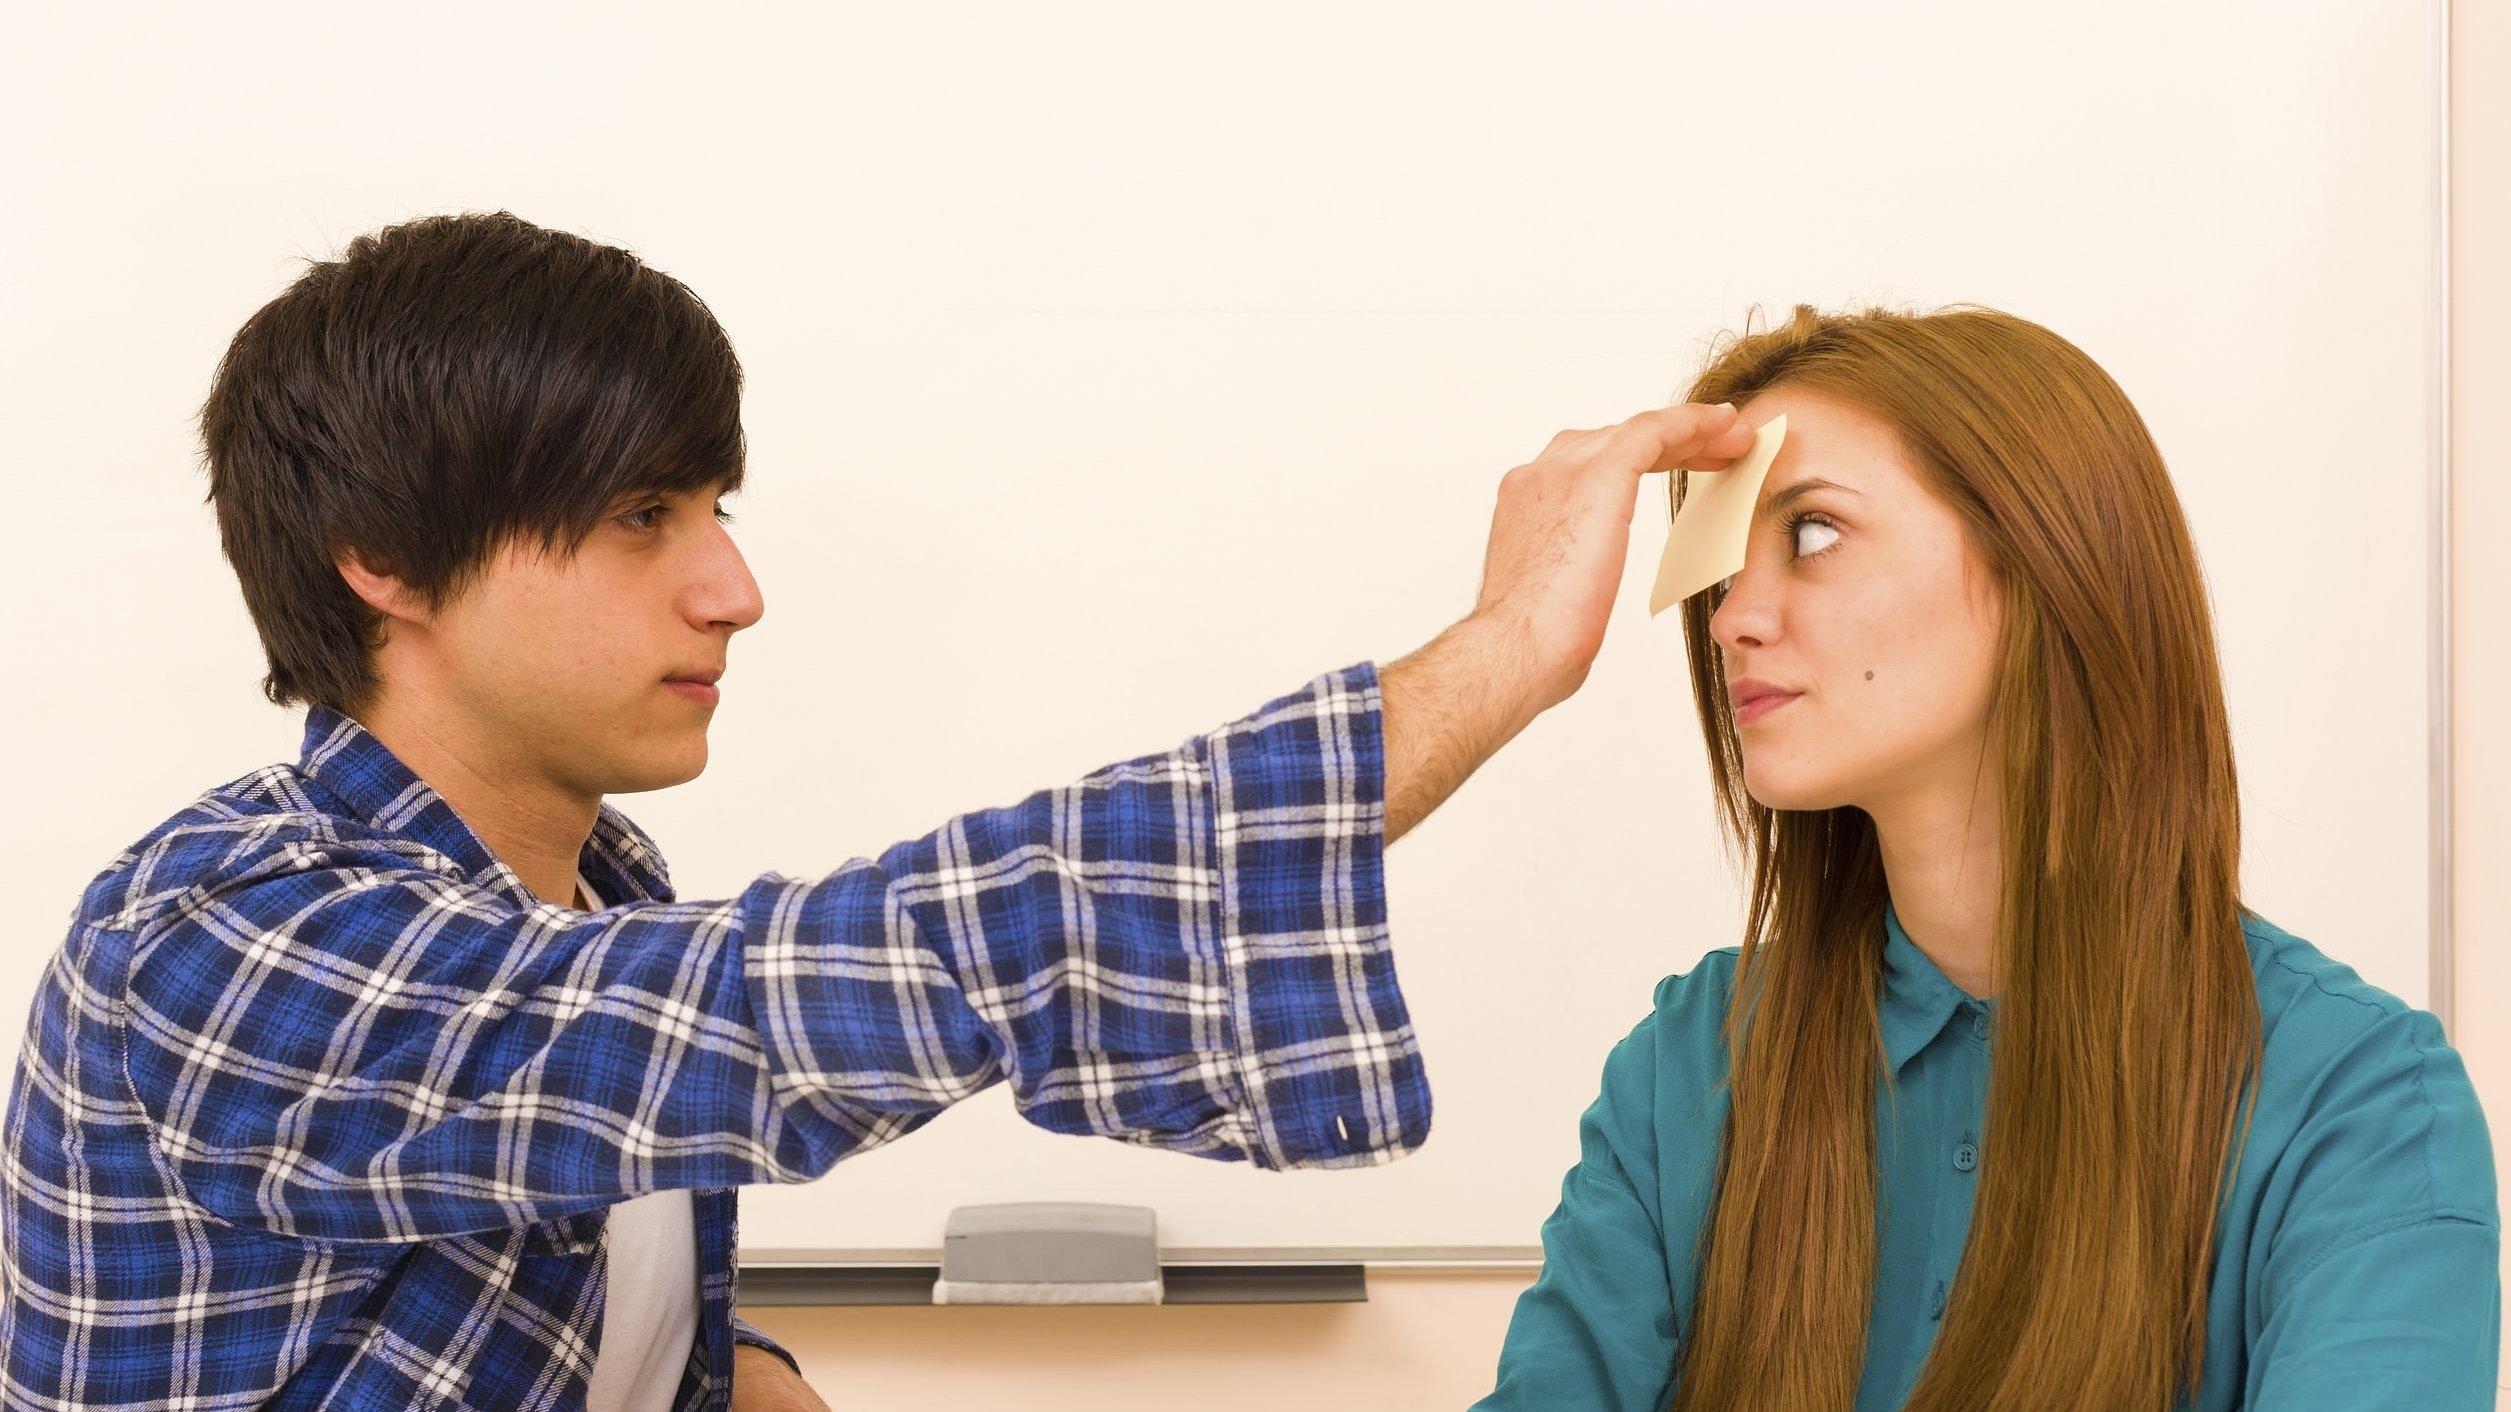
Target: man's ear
383,592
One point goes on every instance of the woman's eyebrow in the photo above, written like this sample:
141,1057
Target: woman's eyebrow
1780,503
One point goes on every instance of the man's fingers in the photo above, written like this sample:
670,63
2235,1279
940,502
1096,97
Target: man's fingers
1671,436
1732,442
1691,437
1727,444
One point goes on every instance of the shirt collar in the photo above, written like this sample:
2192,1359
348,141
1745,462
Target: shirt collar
1918,999
345,758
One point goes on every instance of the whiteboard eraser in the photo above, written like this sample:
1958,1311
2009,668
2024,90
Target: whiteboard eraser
1050,1252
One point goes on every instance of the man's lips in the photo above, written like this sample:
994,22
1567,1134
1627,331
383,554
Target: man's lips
698,686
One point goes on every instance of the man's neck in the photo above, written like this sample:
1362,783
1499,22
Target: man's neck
1943,861
531,824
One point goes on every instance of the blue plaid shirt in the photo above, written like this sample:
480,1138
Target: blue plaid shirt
320,1107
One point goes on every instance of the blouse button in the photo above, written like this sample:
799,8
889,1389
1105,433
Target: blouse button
1935,1305
1965,1157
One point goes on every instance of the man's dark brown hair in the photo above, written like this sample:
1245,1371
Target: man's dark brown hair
444,386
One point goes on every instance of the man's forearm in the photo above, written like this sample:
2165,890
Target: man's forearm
1559,537
763,1382
1449,706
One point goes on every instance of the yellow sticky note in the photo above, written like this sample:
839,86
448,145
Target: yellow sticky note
1709,536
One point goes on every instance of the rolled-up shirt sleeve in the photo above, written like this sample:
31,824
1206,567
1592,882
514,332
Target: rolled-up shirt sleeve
747,1334
2380,1285
340,1036
2408,1317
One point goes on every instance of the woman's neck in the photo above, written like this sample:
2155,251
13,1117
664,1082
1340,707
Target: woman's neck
1943,860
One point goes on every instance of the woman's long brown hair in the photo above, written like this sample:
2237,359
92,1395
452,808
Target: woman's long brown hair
2127,1017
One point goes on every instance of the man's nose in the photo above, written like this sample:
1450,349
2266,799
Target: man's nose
730,595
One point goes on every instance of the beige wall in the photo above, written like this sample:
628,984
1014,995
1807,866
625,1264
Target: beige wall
1428,1341
2481,599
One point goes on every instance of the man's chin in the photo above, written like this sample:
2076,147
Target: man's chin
661,772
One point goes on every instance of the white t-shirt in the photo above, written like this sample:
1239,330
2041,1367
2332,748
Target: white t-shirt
650,1317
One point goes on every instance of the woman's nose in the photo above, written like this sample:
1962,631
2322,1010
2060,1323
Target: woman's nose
1745,615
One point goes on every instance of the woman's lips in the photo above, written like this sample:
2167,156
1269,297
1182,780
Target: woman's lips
1760,706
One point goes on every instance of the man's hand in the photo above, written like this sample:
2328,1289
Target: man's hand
1562,531
1558,541
762,1383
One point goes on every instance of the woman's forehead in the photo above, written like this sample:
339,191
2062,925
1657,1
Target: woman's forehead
1829,445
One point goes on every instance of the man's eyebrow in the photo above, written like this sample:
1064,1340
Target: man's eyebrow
657,490
1786,499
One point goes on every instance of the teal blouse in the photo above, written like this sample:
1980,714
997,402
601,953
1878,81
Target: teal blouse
2356,1266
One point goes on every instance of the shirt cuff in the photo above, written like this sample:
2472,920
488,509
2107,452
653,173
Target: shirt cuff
743,1331
1330,1066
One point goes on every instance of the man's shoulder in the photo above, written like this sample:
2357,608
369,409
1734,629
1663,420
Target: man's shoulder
272,821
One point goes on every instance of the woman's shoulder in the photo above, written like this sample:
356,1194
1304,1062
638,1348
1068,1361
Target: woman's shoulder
1682,1035
1686,995
2312,1002
1663,1097
2350,1068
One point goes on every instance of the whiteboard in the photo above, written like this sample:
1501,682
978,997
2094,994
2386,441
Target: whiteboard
1115,368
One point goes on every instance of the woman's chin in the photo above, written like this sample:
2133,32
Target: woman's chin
1791,795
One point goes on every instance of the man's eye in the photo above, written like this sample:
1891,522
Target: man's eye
642,519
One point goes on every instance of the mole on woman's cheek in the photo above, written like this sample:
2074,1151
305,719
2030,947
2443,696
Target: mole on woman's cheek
1870,676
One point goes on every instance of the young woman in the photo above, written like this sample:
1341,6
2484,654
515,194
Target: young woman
2005,1101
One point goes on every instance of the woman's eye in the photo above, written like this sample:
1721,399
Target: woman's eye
1814,536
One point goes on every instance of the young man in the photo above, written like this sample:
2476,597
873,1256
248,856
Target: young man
398,1077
